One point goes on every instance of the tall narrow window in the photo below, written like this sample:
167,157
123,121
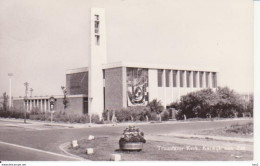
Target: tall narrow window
97,17
214,80
96,26
201,79
167,78
174,78
160,76
195,79
181,78
188,73
97,36
97,39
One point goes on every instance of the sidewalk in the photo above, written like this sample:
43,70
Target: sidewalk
205,143
87,125
219,138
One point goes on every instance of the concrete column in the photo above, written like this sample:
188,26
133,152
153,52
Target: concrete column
33,103
191,81
41,104
178,83
210,80
170,79
30,105
185,81
198,80
171,83
217,79
49,106
26,106
164,87
204,80
45,105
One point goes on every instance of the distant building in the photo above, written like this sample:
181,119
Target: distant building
107,86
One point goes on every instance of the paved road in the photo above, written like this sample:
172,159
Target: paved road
49,139
11,152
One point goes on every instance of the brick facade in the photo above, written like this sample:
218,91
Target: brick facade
77,83
114,97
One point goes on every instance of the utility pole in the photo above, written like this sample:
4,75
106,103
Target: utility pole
26,84
10,89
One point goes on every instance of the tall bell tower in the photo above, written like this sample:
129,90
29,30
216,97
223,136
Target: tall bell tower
98,57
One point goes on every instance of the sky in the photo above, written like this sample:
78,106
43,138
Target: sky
40,40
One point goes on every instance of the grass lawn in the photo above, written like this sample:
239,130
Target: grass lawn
236,130
155,150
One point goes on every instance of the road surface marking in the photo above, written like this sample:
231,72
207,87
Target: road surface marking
38,150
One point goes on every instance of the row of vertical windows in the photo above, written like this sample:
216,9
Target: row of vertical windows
97,36
196,78
160,78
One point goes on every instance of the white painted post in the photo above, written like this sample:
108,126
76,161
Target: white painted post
115,157
91,137
74,143
90,151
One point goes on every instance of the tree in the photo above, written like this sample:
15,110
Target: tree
250,105
155,106
5,97
65,99
229,102
222,103
196,104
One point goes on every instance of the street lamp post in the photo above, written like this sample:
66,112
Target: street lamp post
26,84
10,89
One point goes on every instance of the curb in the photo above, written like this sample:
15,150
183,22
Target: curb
64,146
219,138
87,125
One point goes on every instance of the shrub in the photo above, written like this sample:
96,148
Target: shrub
40,116
241,129
128,114
123,115
165,115
153,116
222,103
155,106
12,113
95,118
